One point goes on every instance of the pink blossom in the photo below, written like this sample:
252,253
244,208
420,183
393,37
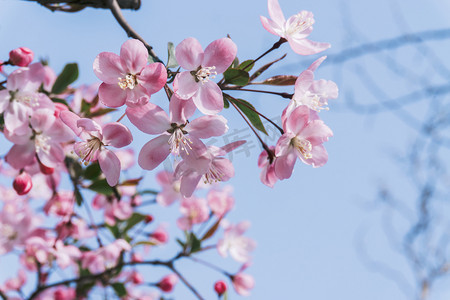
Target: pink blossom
75,228
194,211
220,201
99,260
304,134
96,138
114,209
295,30
16,283
22,183
235,243
127,79
159,236
63,293
267,176
65,254
243,283
21,57
20,99
167,283
177,136
44,141
203,66
60,204
170,188
310,92
209,166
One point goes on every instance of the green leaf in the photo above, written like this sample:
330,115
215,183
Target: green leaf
145,192
249,111
133,220
211,230
171,60
68,75
101,187
236,77
114,230
195,243
147,243
183,245
119,288
281,80
100,112
92,171
264,68
235,63
246,65
78,197
226,104
59,100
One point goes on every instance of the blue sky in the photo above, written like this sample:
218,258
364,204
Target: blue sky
311,228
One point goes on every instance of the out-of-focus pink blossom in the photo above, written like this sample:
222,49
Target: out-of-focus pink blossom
194,211
21,57
167,283
16,283
304,134
121,210
220,201
202,66
243,283
75,228
99,260
127,79
65,254
60,204
235,243
159,235
170,188
295,30
96,138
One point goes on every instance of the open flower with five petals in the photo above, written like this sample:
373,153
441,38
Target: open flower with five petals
202,66
127,79
95,139
295,29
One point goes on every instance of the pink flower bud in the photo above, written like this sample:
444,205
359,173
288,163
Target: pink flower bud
136,257
160,236
137,278
22,183
21,57
45,170
167,283
148,219
220,287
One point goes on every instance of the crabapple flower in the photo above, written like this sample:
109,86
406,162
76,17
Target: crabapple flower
20,99
60,204
65,254
194,210
21,57
105,257
203,66
243,283
177,136
209,166
304,134
235,243
220,201
43,141
310,92
16,283
295,30
114,209
170,191
127,79
267,176
159,236
96,138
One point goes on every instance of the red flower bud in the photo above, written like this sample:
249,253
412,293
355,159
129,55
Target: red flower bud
167,283
148,219
22,183
21,57
220,287
45,170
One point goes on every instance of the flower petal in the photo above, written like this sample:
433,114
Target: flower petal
20,156
112,95
220,54
117,135
307,47
185,85
284,165
180,110
149,118
133,56
153,77
108,68
70,119
189,54
297,120
207,126
275,12
110,165
154,152
209,99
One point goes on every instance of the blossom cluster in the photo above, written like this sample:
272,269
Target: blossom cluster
65,146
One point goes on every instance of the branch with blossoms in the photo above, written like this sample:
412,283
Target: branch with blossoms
98,229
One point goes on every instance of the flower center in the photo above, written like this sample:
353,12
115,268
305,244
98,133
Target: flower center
313,101
41,143
299,23
302,146
129,82
204,74
177,140
213,175
89,150
8,232
28,99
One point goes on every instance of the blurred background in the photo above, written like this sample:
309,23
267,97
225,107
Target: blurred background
374,222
